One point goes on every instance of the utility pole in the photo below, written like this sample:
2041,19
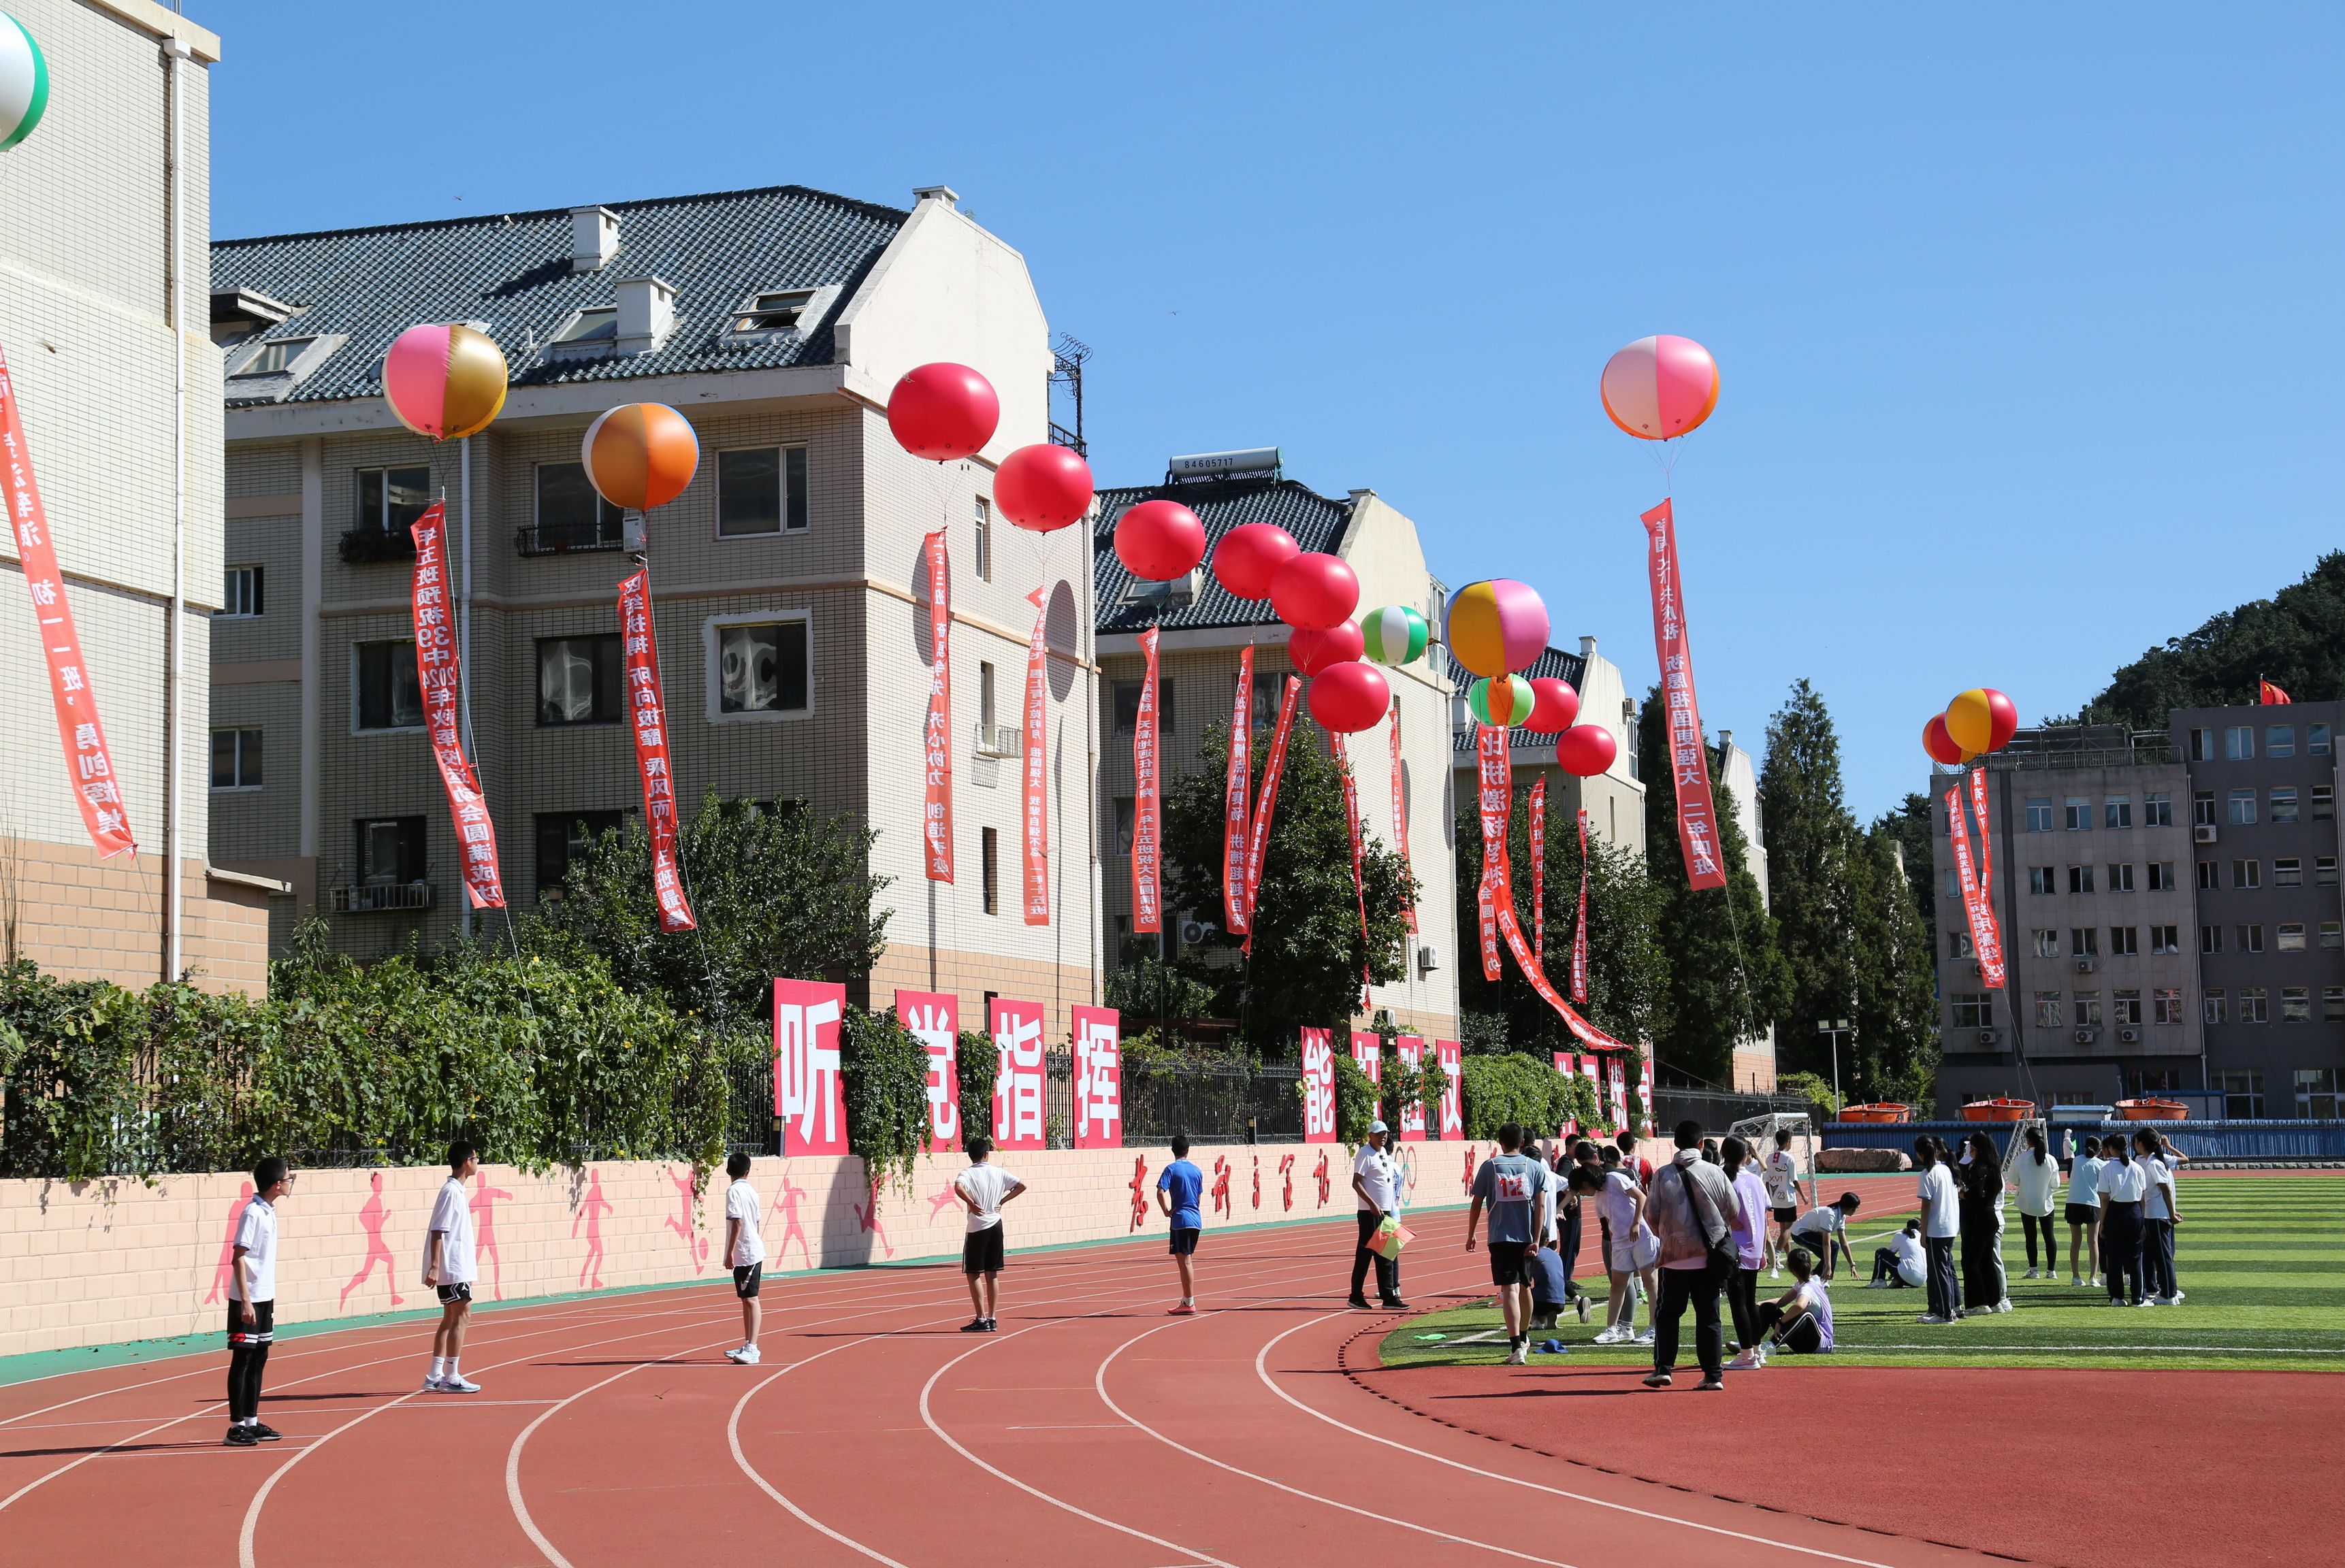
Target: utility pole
1834,1028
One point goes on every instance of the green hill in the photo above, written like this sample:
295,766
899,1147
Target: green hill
2295,639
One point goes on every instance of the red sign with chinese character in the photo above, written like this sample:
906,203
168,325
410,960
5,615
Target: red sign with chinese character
1037,809
1319,1086
1450,1054
1236,788
1410,1050
935,813
440,673
97,789
1497,797
1368,1055
1689,752
1580,927
1099,1078
1986,937
648,716
1539,872
1147,914
934,1019
1018,1088
1352,826
808,1096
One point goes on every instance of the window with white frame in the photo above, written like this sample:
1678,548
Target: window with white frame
761,491
1973,1009
2243,807
2287,871
2247,874
2283,805
2292,936
984,540
2120,876
2296,1003
389,499
2165,939
2251,939
2319,1090
2279,741
2332,936
2214,1005
2324,871
2039,881
1958,944
2079,811
773,311
236,759
2126,1006
240,597
2210,938
2048,1009
2080,879
2324,803
2117,810
2084,941
597,326
2255,1005
2202,745
2039,816
2158,809
2125,941
760,665
2166,1006
2088,1008
2047,941
387,693
2239,742
274,357
2316,740
2161,876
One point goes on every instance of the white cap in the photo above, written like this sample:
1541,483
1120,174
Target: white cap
1378,1127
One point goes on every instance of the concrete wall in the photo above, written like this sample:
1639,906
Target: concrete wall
101,1262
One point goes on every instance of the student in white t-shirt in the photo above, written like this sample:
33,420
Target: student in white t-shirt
2035,1173
1902,1263
252,1303
1941,1223
448,1270
1781,1172
982,1189
2083,1211
745,1251
1632,1250
2159,1216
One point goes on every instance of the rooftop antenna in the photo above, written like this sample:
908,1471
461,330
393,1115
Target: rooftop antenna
1067,356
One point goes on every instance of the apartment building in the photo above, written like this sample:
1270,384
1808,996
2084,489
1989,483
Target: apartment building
1615,799
1203,628
2171,917
105,210
788,584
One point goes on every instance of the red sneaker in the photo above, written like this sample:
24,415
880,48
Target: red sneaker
1181,1309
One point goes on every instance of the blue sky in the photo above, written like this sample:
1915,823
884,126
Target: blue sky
2026,315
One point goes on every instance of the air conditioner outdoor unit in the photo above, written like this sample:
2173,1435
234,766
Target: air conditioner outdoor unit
1428,959
2084,966
2129,1036
1192,932
2202,832
1986,1036
2086,1037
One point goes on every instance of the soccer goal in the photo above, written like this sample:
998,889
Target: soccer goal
2018,1144
1759,1132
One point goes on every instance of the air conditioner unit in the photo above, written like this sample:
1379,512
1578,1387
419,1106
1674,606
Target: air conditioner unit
2084,965
2202,832
2086,1037
1000,739
1428,959
1986,1036
2130,1037
1192,932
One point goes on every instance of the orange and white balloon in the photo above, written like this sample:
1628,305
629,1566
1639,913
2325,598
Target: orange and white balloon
640,455
445,380
1659,387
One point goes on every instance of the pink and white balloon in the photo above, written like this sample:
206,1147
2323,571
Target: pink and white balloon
1659,387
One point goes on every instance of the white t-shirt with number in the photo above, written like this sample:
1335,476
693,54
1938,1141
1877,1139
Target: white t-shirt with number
985,1184
741,1204
1783,1174
451,1214
256,1232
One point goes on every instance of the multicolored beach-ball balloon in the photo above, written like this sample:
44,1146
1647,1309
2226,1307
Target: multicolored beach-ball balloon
1496,627
24,82
1394,636
1659,387
445,380
640,455
1502,700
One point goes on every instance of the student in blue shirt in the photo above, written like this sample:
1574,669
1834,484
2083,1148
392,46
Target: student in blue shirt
1513,1189
1178,1190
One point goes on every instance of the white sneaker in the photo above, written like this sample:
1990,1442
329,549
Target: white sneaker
1775,1273
431,1386
1746,1361
1932,1320
1519,1356
1645,1338
2175,1299
1583,1308
2004,1305
2097,1283
2075,1278
2031,1274
1611,1336
743,1355
456,1384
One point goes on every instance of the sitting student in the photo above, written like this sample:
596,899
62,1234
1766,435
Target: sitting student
1902,1263
1550,1292
1799,1319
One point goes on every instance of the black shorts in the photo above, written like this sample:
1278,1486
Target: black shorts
2083,1213
1184,1240
264,1324
458,1292
981,1253
1508,1262
1784,1215
746,1278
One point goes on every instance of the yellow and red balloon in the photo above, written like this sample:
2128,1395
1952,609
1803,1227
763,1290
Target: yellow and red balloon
1496,627
445,380
1982,720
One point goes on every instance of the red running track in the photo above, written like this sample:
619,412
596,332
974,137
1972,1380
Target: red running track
1093,1429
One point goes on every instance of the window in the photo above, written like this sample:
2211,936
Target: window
2161,876
2158,809
390,850
2124,942
2120,878
2126,1008
569,515
2165,939
2117,810
2039,816
2039,880
989,845
236,759
2085,942
2207,878
2239,742
2332,936
2210,938
1123,818
2324,871
1127,707
1958,944
390,694
2279,741
2287,872
2243,807
597,326
1973,1009
2251,939
983,550
2048,942
778,312
2202,807
2324,803
2088,1008
564,837
2247,874
2295,1004
2080,813
2166,1006
2048,1009
2213,1005
985,708
2139,1081
2317,1091
2080,879
2332,1003
240,595
2315,738
2283,805
761,490
2255,1005
1955,882
762,667
2292,936
578,680
1268,689
390,499
2202,745
275,358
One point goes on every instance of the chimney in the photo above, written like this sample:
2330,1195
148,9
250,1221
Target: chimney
646,314
943,193
1587,647
594,238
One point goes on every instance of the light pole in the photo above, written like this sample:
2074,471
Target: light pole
1834,1028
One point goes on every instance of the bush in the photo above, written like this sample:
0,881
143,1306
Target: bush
1356,1102
883,1069
978,1065
1526,1089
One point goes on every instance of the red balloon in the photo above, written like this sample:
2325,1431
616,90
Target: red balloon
1043,488
1312,651
1585,750
1349,697
1160,540
943,411
1554,705
2003,714
1250,555
1940,745
1314,591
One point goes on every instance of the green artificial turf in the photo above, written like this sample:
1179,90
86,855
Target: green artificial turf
2260,1260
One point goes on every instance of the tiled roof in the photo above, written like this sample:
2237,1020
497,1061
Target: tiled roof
1555,663
1315,521
512,271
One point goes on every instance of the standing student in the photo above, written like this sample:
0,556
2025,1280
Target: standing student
745,1251
2035,1173
1980,1179
1630,1248
1750,1225
449,1269
2083,1213
1515,1188
1689,1201
1638,1163
1781,1174
1569,1219
2123,1185
2159,1217
1180,1188
1941,1223
252,1303
983,1189
1824,1228
1799,1319
1375,1178
1903,1262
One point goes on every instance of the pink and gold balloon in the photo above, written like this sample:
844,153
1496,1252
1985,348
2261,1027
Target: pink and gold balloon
445,380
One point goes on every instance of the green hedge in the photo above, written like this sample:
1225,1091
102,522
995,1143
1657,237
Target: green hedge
1524,1088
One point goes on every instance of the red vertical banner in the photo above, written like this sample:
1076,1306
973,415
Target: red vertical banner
1099,1077
97,789
1645,1096
1410,1049
1258,829
1017,1030
1497,797
1568,1063
934,1019
809,1095
1368,1055
937,820
646,714
1616,1075
440,676
1236,791
1451,1054
1147,872
1037,813
1319,1086
1400,813
1985,842
1538,871
1689,752
1986,938
1352,826
1579,926
1590,1069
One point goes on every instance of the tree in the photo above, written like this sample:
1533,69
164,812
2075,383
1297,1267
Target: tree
1908,827
2295,639
1727,980
1812,850
1896,1054
1307,950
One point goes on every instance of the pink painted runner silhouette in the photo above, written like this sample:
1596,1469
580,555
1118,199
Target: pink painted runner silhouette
1221,1186
1257,1182
1322,1174
591,1209
695,1245
868,1219
945,1199
222,1275
484,1228
786,1209
372,1216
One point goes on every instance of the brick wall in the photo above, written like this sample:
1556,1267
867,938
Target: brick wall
81,918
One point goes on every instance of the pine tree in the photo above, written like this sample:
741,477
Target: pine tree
1908,827
1896,1054
2295,639
1811,848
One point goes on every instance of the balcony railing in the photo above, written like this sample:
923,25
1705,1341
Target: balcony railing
390,899
568,538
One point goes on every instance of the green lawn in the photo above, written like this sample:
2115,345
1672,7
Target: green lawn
2260,1260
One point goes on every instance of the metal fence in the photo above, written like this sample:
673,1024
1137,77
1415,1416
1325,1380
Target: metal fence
2214,1142
1219,1105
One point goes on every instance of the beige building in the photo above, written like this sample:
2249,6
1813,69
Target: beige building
788,581
105,210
